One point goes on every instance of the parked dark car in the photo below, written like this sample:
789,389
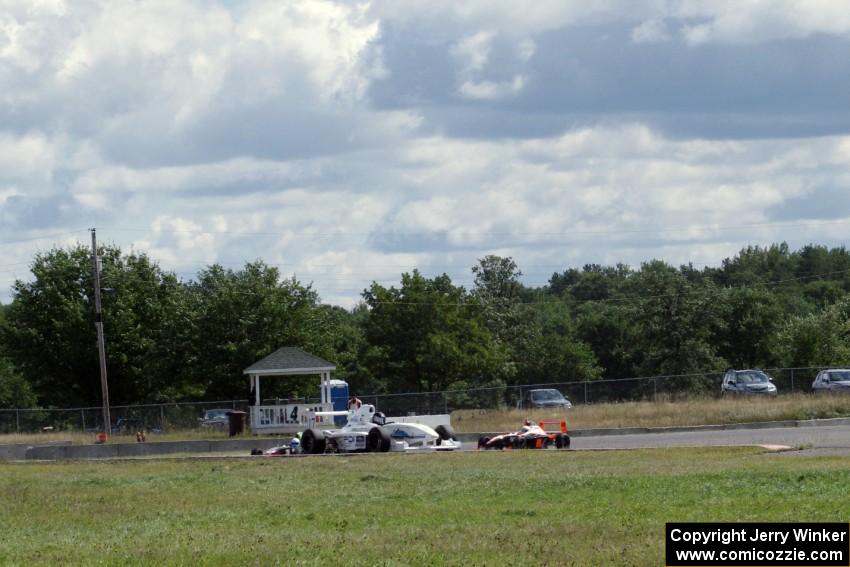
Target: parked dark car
543,398
215,418
747,382
833,380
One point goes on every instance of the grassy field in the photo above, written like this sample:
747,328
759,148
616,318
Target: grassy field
664,413
549,507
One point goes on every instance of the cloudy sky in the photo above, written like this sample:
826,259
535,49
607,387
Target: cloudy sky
346,142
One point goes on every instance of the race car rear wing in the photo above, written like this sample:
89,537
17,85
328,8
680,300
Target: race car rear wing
562,423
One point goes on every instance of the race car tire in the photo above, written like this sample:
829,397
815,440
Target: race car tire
482,442
256,452
313,442
562,441
378,440
518,443
445,432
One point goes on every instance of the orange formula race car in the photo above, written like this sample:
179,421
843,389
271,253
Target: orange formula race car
530,436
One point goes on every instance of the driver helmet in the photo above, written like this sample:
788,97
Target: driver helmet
528,422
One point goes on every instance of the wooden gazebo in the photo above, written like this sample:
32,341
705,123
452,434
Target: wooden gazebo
287,361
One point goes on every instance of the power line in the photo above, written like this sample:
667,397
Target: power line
43,237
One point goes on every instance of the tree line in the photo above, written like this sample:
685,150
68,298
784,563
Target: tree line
172,340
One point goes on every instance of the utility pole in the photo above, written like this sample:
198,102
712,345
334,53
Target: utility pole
98,323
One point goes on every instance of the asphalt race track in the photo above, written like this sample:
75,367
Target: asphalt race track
836,437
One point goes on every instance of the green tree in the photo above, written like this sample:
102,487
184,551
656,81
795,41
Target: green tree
675,323
497,290
539,337
752,317
351,350
430,335
149,327
242,316
15,391
818,339
553,351
49,331
608,329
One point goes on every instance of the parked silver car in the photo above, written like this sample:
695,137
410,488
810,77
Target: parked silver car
832,380
543,398
747,382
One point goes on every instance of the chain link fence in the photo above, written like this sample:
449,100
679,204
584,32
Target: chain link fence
187,415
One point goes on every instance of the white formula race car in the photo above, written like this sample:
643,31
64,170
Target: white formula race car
368,431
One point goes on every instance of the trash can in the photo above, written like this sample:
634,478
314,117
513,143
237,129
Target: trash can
236,420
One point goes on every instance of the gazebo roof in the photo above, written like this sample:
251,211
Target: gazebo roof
292,361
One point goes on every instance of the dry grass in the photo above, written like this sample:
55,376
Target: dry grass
663,413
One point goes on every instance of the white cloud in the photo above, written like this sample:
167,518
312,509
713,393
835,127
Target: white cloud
204,131
489,90
32,155
719,20
732,21
8,192
651,31
600,194
125,73
517,19
525,49
473,51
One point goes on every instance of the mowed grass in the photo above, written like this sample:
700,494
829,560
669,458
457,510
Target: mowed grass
479,508
664,413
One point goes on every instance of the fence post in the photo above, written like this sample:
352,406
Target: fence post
445,404
655,389
162,417
585,391
83,418
17,421
792,380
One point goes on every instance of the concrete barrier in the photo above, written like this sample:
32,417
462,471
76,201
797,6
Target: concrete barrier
52,453
18,451
129,450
